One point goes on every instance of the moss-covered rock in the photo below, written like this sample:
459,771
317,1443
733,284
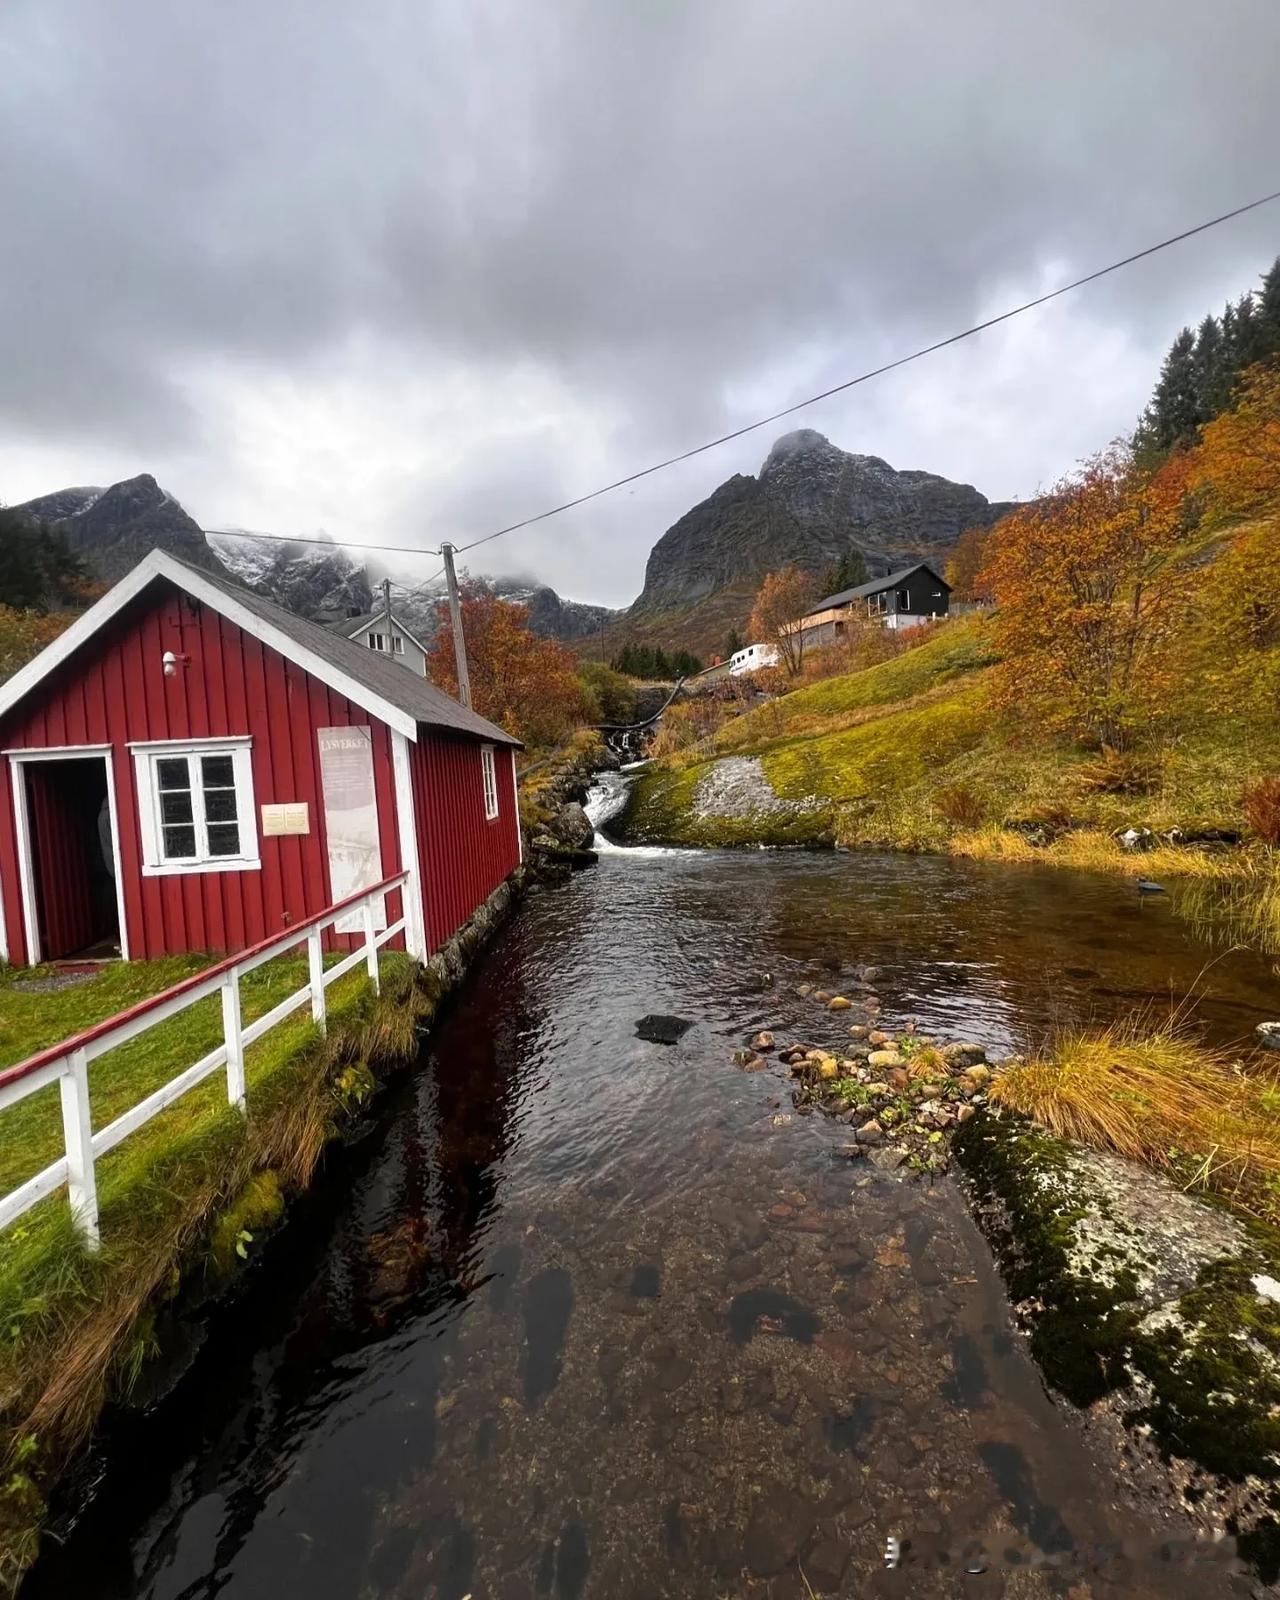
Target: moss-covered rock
1141,1297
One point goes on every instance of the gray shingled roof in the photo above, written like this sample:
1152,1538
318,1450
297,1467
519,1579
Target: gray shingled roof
876,586
386,677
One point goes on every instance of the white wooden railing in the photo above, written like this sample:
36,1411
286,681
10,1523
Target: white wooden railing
67,1064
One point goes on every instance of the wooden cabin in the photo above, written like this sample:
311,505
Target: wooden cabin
191,768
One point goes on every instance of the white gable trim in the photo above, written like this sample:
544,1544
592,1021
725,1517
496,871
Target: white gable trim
160,565
379,621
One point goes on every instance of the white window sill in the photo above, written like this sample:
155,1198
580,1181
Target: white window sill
181,869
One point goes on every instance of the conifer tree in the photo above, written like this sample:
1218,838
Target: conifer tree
1174,405
1269,310
1248,341
1212,375
848,572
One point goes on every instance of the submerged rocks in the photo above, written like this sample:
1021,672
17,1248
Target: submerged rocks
763,1041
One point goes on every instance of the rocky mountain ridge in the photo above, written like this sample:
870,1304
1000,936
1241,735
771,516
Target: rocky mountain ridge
111,529
809,504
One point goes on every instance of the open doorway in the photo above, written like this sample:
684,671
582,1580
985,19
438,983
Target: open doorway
70,892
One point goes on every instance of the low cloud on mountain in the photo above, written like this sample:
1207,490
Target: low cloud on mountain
412,272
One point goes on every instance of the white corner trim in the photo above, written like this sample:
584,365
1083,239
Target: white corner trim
515,800
160,565
414,891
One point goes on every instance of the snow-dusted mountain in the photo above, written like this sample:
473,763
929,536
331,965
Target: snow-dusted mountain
317,581
111,530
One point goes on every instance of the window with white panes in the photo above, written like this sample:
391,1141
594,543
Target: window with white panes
196,807
490,781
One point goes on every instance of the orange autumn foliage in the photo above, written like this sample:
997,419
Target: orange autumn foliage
1237,463
966,564
24,634
526,684
782,599
1092,589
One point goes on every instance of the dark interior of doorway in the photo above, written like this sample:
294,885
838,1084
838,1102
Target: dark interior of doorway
71,853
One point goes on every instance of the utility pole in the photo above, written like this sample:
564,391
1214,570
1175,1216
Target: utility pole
455,617
386,605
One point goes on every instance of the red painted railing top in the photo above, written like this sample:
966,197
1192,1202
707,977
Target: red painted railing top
99,1030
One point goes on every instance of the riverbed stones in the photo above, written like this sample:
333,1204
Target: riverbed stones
763,1040
1268,1034
878,1038
838,1002
859,1030
884,1059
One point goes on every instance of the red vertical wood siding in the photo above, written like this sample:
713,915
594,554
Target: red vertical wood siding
114,692
464,857
62,881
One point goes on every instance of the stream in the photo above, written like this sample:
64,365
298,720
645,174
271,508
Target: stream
582,1315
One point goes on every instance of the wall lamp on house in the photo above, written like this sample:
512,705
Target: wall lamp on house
173,662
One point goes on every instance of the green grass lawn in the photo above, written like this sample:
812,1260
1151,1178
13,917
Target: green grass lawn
31,1020
886,751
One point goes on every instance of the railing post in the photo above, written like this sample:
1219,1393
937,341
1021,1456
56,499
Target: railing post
370,948
315,961
233,1038
77,1135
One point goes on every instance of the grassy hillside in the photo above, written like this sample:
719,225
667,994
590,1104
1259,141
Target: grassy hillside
910,755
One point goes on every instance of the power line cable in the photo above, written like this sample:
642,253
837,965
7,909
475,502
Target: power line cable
875,372
799,405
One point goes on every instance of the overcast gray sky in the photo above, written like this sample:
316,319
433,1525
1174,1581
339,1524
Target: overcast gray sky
407,270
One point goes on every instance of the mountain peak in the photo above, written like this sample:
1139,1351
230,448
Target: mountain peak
811,504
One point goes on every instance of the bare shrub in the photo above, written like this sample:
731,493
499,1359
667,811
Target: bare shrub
1262,809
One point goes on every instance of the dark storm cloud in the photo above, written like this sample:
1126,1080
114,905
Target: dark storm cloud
668,214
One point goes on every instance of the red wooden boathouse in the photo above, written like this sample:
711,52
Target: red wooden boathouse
191,768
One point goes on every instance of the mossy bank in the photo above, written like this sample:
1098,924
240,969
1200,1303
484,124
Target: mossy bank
184,1210
1156,1311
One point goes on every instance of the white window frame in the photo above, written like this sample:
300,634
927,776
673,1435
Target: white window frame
397,644
378,642
154,862
489,772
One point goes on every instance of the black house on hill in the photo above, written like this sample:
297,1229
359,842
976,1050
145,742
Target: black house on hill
899,600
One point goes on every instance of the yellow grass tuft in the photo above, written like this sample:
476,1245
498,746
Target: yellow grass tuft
1159,1096
1094,851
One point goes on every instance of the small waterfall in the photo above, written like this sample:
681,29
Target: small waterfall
606,797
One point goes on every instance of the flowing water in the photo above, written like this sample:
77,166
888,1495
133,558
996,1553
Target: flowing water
587,1316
